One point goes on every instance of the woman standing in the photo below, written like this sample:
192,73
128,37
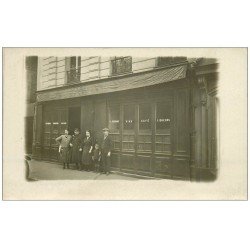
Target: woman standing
76,150
64,149
87,147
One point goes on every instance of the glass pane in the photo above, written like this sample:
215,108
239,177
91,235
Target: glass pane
79,61
47,127
121,65
73,62
79,68
55,127
144,117
128,117
144,147
163,116
63,127
114,118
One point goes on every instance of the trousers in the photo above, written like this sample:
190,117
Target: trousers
105,163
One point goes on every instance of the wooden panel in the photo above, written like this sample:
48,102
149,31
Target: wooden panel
181,168
143,163
54,155
115,161
46,152
128,142
128,162
163,166
181,122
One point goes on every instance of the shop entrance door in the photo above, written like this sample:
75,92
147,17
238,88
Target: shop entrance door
54,124
74,119
142,134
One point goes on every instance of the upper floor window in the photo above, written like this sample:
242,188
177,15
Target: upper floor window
168,60
74,72
121,65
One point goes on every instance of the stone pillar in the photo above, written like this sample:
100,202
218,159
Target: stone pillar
37,132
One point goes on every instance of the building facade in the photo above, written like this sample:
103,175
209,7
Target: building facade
161,111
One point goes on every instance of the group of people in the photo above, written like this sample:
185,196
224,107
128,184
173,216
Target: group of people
85,152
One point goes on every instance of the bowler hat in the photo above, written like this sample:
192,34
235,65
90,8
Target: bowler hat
105,129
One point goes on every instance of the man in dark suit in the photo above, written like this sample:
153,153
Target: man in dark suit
106,148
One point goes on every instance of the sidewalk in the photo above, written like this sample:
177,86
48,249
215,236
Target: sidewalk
40,170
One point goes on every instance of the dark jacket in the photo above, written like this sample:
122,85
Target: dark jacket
106,145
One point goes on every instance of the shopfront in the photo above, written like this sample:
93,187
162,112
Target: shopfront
151,125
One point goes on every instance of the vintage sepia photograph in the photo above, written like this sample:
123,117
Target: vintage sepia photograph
125,125
121,118
157,121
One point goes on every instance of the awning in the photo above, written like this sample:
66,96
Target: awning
132,81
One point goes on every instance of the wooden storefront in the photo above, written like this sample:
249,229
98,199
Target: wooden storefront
155,128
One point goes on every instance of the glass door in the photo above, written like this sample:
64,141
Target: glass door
163,138
144,139
114,131
54,124
128,138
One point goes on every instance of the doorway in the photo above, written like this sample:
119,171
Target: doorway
74,120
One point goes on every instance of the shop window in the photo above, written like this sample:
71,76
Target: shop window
163,116
163,131
114,125
55,127
168,60
121,65
144,117
114,118
74,72
128,117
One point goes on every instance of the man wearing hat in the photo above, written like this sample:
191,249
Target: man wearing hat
106,148
75,145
